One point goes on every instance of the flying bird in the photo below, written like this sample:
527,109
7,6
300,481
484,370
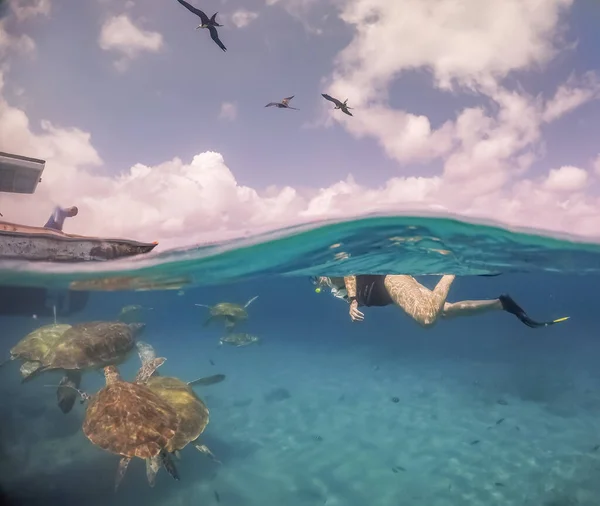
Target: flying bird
284,104
338,104
211,23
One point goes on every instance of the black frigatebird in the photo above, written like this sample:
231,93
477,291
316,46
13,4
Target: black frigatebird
211,23
338,104
284,104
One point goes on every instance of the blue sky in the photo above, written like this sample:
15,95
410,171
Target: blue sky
165,103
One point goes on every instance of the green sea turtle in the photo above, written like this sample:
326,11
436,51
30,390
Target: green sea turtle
131,313
193,413
83,346
239,339
229,312
130,420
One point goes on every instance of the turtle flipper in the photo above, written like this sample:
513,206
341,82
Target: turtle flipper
145,351
250,301
208,380
148,369
5,362
66,393
167,461
152,467
123,463
204,449
29,370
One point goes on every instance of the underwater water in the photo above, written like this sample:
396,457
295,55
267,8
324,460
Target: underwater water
479,410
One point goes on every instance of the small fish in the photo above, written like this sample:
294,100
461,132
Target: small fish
396,469
596,448
318,438
502,402
217,496
474,442
210,360
500,421
498,484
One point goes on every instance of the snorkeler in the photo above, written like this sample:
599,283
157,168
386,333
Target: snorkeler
58,216
421,304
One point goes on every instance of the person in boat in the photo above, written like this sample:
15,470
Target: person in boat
424,306
58,216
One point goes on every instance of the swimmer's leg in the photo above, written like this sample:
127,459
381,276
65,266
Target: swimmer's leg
470,307
503,303
423,305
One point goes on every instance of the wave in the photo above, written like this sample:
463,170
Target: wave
378,244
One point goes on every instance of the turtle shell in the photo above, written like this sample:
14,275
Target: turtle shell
229,309
93,344
129,420
37,344
192,412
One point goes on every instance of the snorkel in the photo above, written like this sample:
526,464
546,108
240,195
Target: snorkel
321,282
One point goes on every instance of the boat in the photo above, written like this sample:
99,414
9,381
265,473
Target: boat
23,242
21,174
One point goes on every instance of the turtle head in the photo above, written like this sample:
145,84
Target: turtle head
111,374
137,328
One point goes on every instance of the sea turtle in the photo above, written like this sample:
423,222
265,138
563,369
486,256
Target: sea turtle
230,312
239,339
130,420
131,313
91,345
193,413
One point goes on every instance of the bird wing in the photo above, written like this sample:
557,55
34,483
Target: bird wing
215,36
286,101
197,12
270,104
213,19
331,99
347,112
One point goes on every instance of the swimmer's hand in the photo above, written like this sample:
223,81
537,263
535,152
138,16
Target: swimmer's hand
355,314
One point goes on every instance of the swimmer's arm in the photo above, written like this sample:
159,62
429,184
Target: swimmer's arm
350,282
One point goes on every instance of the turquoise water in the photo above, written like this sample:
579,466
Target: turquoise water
480,410
377,245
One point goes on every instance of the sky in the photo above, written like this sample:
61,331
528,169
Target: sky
482,109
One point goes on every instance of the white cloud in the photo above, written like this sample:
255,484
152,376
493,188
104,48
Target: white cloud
9,43
228,111
566,179
574,93
463,46
121,35
24,9
596,164
243,17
